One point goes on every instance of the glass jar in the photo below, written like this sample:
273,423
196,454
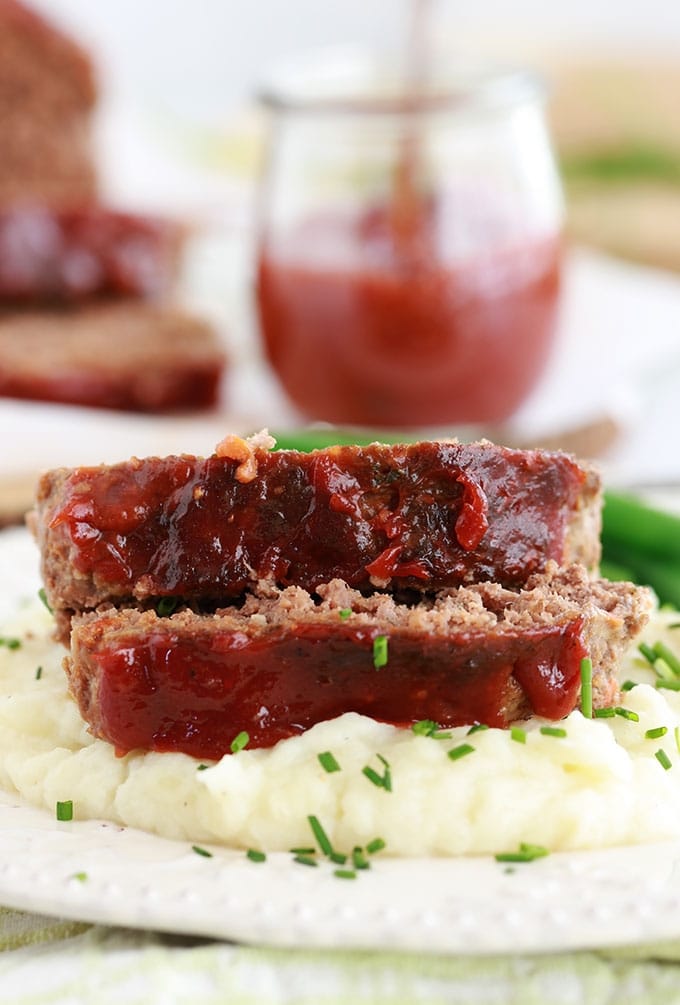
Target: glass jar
409,244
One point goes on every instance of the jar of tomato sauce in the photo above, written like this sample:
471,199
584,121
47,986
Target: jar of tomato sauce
409,244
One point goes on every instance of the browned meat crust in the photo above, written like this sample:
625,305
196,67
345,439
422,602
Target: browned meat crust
125,355
283,662
47,92
419,516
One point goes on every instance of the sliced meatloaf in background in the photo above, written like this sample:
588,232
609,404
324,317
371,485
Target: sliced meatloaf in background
414,516
124,355
56,256
283,662
47,94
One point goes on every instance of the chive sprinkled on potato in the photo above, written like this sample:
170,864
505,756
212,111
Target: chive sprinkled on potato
587,688
65,810
328,762
240,741
380,651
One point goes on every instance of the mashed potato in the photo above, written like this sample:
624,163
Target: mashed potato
601,784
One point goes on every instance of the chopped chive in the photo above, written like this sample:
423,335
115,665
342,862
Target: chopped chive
377,844
628,685
322,838
359,860
328,762
587,687
10,643
305,860
627,713
202,767
461,751
201,851
425,727
338,857
303,851
676,733
380,651
65,810
648,653
663,671
38,673
553,731
518,734
345,613
240,741
663,759
42,593
656,733
166,606
256,856
668,685
527,853
668,656
383,781
80,876
604,713
478,727
345,874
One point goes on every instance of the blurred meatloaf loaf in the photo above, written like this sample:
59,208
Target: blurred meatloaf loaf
55,256
283,662
123,355
421,516
47,94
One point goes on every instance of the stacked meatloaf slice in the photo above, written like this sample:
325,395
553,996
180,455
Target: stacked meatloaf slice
263,591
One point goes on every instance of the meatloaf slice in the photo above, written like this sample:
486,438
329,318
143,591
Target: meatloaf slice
47,93
123,355
56,256
281,663
420,516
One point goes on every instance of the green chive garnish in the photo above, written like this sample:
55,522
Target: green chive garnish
663,759
38,673
303,851
338,857
604,713
668,656
201,851
328,762
305,860
65,810
648,653
428,727
527,853
202,767
380,651
478,727
376,845
553,731
383,781
166,606
656,733
240,741
42,593
80,876
345,613
345,873
628,685
518,734
359,860
587,688
461,751
322,838
668,685
256,856
627,713
676,733
10,643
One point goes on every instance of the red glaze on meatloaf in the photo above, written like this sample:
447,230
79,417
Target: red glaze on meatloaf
419,516
282,662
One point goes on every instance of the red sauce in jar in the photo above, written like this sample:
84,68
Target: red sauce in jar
361,331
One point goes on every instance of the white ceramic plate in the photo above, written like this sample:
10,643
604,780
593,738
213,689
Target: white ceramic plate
100,872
